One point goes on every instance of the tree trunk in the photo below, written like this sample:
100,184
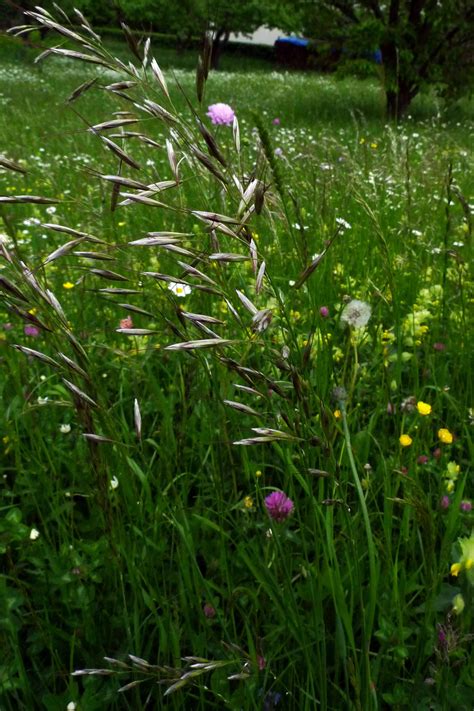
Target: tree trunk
398,100
399,92
220,40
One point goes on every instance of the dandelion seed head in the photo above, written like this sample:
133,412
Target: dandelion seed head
356,313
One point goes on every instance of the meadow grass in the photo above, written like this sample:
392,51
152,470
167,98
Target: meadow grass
155,540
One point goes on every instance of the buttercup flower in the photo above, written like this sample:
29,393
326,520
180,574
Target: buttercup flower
356,313
68,285
405,440
178,289
423,408
221,114
445,436
278,506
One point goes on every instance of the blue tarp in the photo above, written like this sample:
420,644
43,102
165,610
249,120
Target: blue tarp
295,41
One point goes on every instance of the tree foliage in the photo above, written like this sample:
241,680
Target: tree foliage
423,42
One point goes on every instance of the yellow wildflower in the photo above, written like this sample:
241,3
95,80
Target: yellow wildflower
423,408
337,414
373,145
453,470
405,440
455,569
68,285
248,502
258,473
445,436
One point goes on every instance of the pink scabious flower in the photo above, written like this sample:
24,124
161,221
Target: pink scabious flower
221,114
126,322
278,506
276,121
439,346
324,311
465,506
31,331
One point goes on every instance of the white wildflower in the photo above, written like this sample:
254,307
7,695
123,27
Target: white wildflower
179,289
65,429
34,534
114,482
356,313
343,223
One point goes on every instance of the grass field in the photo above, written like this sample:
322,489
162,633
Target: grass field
154,535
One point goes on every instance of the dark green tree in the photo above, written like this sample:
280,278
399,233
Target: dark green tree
191,18
423,42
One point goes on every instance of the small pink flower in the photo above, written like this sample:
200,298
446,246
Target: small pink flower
221,114
31,331
444,503
437,453
423,459
465,506
209,611
126,322
7,326
439,346
262,662
276,121
278,506
324,311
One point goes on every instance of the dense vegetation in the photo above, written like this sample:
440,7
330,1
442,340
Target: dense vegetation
276,511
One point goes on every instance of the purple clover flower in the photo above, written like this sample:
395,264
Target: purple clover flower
276,121
324,311
444,503
221,114
278,506
209,611
465,506
31,331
